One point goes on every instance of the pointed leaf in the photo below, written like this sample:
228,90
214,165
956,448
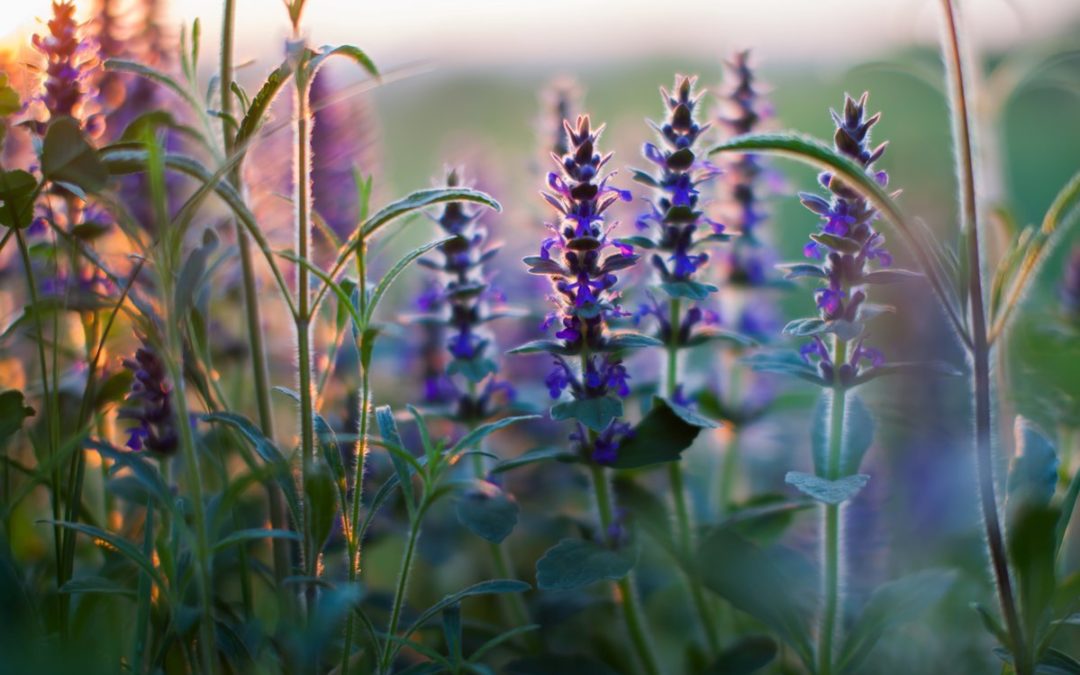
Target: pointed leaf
17,191
595,413
66,156
487,511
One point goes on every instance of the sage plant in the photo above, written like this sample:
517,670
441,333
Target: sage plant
850,249
581,261
678,232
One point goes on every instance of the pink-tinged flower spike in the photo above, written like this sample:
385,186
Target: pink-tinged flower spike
71,63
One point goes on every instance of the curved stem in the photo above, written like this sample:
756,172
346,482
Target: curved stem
627,599
831,543
980,349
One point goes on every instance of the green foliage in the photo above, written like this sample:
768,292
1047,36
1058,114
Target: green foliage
827,491
595,413
13,412
18,190
661,436
748,655
576,563
487,511
67,158
858,434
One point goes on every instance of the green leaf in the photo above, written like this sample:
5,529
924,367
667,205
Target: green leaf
67,157
395,272
784,362
534,456
537,346
253,118
713,334
320,502
595,413
490,587
265,449
798,270
474,437
574,563
420,199
192,272
661,436
891,276
620,340
474,369
1034,473
354,54
99,585
693,290
487,511
13,412
771,585
748,655
825,490
253,534
838,243
384,418
1032,547
125,66
146,124
17,192
1057,662
891,605
115,543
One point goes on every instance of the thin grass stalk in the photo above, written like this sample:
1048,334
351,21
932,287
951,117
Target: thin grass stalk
354,543
980,351
684,531
252,313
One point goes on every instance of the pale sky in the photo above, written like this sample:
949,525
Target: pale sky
564,32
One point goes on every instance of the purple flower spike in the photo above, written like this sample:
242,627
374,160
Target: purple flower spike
149,404
71,59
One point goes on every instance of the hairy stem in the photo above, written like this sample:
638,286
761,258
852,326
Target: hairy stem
627,599
251,299
354,544
399,591
831,543
684,531
980,348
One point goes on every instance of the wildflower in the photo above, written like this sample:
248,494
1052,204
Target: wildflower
848,244
581,262
71,62
149,404
457,309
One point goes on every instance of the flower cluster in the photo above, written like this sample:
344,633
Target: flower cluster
675,215
72,60
459,307
848,244
750,260
671,226
581,261
149,404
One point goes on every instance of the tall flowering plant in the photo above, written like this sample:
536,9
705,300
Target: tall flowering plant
679,233
582,260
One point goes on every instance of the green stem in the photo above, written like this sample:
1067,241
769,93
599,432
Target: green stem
399,591
354,543
50,403
194,478
831,538
684,530
627,601
980,347
259,367
142,621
